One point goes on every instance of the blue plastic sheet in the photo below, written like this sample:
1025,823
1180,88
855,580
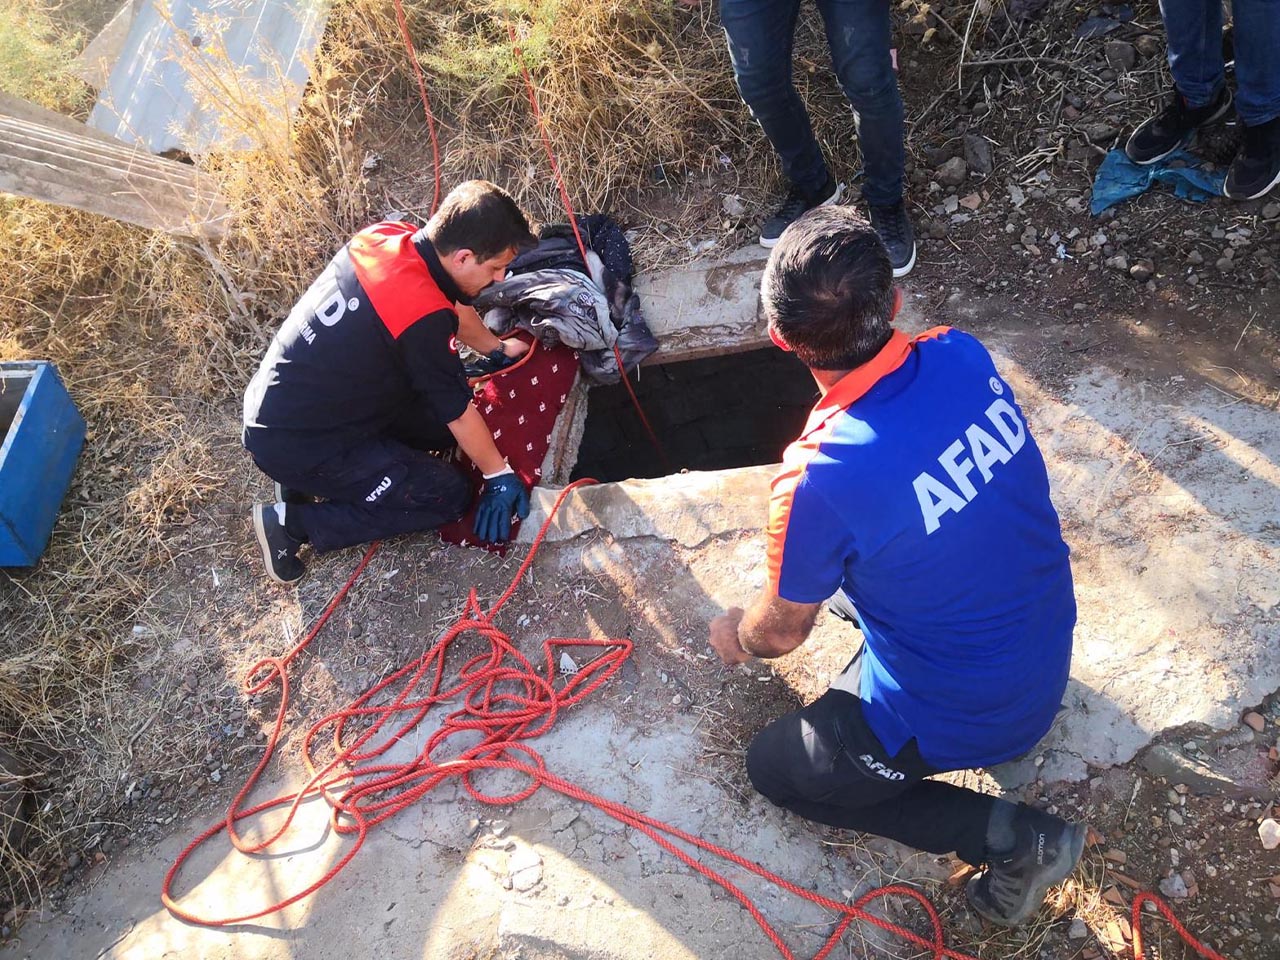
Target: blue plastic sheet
1119,178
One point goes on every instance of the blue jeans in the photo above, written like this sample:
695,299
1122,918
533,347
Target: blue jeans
761,34
1195,53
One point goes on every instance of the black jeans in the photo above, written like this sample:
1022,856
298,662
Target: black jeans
825,764
381,487
761,34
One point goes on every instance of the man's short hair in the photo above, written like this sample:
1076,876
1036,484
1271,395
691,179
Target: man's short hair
827,289
481,217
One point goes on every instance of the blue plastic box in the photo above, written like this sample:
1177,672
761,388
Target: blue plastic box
42,434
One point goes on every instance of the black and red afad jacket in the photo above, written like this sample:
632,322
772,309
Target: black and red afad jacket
371,341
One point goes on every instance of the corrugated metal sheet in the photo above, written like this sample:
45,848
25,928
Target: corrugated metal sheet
169,89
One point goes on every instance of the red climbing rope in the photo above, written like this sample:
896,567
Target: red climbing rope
426,102
1136,922
573,222
508,700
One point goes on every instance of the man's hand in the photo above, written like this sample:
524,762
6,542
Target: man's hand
503,495
515,348
724,638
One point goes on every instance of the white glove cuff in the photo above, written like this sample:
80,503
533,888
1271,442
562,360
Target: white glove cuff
505,470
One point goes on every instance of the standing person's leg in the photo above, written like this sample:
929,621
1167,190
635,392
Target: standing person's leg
761,35
381,488
1194,29
1256,169
858,32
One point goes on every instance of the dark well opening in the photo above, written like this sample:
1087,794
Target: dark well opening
737,410
13,386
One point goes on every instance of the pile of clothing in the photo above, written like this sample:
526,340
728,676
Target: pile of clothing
589,306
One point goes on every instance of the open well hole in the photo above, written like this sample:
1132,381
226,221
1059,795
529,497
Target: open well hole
13,386
737,410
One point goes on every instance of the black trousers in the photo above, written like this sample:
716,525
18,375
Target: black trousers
381,487
825,764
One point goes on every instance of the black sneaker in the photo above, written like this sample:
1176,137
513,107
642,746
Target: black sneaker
279,550
289,495
796,206
1014,884
894,227
1159,136
1256,168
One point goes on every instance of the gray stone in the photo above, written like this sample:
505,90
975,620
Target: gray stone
1271,211
1100,132
1175,888
977,154
1079,929
953,172
1142,270
1119,263
1121,54
1148,45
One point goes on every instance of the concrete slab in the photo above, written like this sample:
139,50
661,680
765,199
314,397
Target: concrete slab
705,308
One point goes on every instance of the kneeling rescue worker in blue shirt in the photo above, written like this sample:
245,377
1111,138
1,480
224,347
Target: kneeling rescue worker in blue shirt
918,498
363,384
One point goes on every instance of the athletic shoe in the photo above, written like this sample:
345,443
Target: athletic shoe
796,206
289,495
1161,135
894,227
1256,168
279,550
1014,884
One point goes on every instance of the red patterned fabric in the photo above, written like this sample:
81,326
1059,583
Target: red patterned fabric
520,405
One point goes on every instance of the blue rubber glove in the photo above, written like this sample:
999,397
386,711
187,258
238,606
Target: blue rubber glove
502,496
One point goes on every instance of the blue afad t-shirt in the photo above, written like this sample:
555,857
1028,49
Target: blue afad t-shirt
916,487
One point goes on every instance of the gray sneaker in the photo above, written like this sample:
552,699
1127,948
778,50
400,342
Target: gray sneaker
1014,884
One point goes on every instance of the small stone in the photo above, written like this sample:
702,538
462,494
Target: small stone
971,201
1175,888
1148,45
73,860
1119,263
1121,54
1118,857
1142,270
1113,96
953,172
733,206
1254,720
1175,818
1079,929
1195,258
1269,834
1069,112
977,154
951,204
1192,279
1271,211
1225,265
1100,132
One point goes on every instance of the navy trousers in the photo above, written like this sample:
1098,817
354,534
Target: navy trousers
382,487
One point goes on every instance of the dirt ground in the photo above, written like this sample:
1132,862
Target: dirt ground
1203,318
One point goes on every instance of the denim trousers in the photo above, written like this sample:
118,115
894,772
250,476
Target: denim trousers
761,35
1195,53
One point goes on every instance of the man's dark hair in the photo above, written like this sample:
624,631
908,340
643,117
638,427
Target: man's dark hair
481,217
827,289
